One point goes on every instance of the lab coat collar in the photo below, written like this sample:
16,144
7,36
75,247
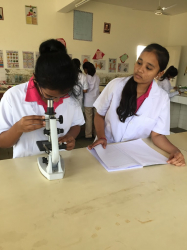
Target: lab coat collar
147,105
154,90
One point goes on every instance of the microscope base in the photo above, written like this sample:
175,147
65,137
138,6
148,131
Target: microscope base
51,176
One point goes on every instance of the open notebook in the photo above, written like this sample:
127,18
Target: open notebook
127,155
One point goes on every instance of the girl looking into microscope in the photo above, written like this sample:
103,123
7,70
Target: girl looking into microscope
22,107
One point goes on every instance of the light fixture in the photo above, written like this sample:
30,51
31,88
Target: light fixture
158,13
81,2
159,10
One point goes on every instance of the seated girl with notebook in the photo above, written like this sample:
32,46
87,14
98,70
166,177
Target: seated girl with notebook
135,107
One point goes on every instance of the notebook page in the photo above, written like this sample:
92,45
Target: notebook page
94,153
111,169
114,159
142,153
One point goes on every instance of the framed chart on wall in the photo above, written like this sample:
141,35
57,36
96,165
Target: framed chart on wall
99,64
82,25
28,59
12,59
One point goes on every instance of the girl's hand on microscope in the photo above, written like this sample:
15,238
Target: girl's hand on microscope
30,123
69,140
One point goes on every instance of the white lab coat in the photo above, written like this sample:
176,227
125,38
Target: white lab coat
153,114
13,107
166,85
83,85
93,90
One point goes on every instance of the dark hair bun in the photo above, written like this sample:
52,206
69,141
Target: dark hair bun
51,46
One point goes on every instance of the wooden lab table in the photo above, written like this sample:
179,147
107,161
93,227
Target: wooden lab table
91,209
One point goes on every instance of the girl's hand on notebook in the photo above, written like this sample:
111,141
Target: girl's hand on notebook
177,158
30,123
69,140
101,141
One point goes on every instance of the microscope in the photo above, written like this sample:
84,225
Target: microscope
52,166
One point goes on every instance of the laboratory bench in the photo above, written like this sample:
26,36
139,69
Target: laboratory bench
1,94
178,111
4,88
91,208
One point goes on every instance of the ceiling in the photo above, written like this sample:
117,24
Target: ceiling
150,5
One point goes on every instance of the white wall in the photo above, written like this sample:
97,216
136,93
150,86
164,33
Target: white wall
128,29
17,35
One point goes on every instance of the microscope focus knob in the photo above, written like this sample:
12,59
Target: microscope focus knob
60,130
60,119
46,131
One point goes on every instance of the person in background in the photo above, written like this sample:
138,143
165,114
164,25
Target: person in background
164,81
135,107
81,81
22,107
89,98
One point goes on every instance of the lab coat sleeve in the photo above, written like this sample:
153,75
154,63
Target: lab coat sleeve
172,94
6,116
167,86
163,122
102,103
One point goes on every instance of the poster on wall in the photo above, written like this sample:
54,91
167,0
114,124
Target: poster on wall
12,59
31,14
98,55
1,14
82,25
107,27
1,59
124,57
28,60
85,58
123,67
99,64
112,63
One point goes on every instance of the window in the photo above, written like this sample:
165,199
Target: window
140,48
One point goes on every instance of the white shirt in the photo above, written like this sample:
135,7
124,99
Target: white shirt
13,107
93,90
153,114
83,81
166,85
84,86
